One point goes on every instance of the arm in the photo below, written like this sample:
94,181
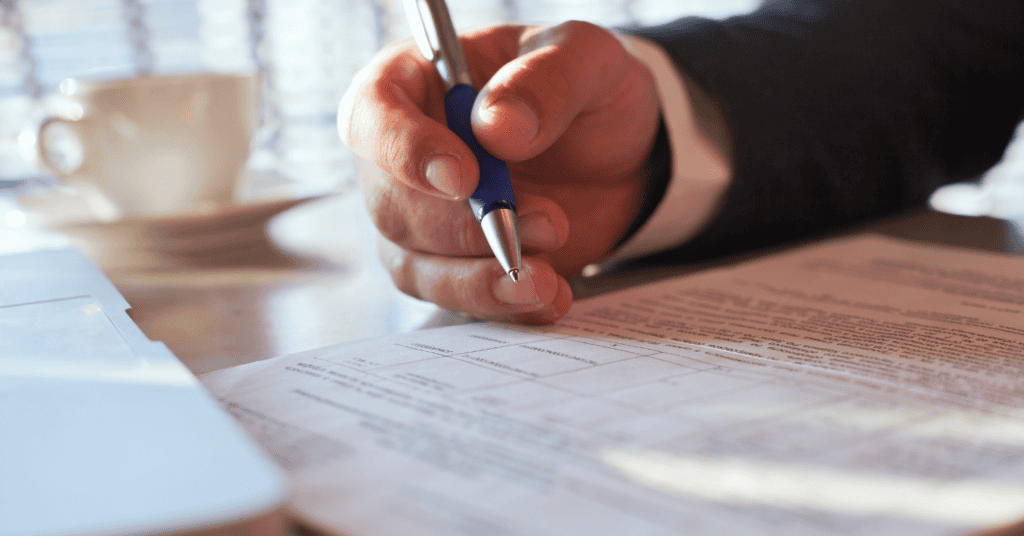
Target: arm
841,111
838,111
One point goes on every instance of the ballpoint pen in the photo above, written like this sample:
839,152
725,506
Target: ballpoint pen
493,203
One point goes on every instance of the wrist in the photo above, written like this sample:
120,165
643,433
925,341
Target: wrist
657,172
699,148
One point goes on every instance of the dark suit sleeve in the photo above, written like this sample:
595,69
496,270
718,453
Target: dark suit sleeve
841,111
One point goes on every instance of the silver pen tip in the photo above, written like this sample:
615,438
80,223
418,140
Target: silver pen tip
514,274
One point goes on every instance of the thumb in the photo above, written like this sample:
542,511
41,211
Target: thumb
560,72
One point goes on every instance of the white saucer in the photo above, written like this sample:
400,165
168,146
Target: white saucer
223,236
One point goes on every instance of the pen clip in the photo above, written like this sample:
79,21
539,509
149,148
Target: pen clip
424,31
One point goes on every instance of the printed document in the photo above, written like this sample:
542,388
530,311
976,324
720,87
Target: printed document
858,386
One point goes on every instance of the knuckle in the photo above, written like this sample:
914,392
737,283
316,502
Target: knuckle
469,233
400,265
473,295
464,234
598,42
464,287
454,284
386,215
394,147
373,120
366,96
587,36
577,28
450,231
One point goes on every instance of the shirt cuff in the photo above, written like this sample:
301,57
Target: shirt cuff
700,173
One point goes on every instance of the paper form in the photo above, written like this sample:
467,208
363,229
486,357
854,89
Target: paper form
861,386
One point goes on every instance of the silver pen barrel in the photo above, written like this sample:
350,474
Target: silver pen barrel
501,227
452,64
436,38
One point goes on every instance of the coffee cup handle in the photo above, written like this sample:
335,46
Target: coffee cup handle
45,155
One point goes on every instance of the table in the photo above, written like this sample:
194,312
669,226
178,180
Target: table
314,280
925,225
311,280
315,288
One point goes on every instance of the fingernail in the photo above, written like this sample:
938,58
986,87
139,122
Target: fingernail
522,293
442,172
512,118
536,230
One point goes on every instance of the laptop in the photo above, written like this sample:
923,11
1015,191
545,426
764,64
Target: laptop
105,432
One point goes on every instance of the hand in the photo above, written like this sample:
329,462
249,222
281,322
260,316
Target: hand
568,108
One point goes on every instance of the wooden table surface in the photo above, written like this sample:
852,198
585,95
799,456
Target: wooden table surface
225,291
313,280
247,290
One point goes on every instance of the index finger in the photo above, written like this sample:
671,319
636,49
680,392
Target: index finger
392,116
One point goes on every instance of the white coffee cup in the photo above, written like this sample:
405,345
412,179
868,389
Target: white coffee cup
160,145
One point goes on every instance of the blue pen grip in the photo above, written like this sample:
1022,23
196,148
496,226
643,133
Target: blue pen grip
495,188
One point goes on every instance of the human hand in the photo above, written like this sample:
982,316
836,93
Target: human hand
568,108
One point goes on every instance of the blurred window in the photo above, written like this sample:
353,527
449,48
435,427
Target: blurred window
306,52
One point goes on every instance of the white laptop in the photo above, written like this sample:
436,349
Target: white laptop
104,432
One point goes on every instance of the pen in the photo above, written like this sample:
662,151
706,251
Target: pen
493,203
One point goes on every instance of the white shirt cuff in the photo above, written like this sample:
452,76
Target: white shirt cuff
700,175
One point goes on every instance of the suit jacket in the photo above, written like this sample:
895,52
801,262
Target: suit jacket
845,110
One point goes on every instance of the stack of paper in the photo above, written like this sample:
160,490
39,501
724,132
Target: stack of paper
863,386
